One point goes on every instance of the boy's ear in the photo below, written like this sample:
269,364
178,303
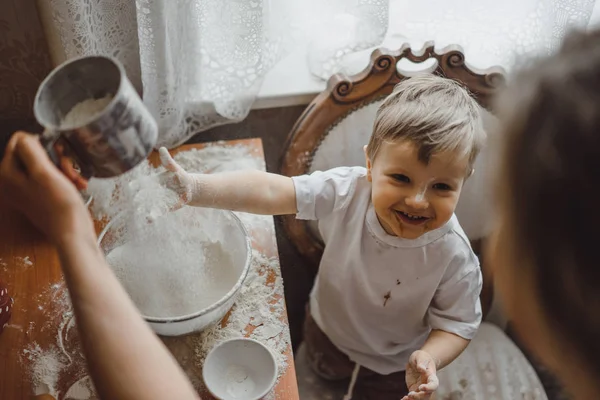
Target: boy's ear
368,164
471,173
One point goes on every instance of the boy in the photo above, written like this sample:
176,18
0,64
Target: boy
397,293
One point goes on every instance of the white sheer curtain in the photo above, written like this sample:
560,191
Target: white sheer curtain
492,32
200,63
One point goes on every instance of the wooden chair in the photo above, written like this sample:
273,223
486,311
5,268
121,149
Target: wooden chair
337,123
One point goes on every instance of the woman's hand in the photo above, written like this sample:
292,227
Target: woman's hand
421,378
32,184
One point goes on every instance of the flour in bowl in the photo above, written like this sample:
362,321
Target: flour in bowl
82,112
177,265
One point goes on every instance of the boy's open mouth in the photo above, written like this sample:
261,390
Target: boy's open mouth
411,218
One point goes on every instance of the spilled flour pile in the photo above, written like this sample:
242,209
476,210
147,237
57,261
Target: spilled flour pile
257,313
260,306
46,367
50,364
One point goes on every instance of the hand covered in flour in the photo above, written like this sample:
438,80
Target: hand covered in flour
421,378
178,179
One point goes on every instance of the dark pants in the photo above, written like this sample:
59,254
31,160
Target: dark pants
330,363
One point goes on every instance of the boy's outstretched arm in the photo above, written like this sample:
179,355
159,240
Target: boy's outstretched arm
249,191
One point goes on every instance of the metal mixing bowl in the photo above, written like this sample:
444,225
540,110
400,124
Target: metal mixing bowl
241,252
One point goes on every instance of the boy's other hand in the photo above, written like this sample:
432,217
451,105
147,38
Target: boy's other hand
177,179
421,378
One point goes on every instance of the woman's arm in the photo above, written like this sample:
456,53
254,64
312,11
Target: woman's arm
250,191
126,360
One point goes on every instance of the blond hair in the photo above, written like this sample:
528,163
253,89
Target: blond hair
436,114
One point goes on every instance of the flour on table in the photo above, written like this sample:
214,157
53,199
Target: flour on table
85,110
24,261
47,364
259,305
217,158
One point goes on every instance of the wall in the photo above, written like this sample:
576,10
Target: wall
24,62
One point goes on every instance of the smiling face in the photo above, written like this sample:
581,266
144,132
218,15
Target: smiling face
410,197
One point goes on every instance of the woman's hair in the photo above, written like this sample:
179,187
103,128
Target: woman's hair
436,114
549,187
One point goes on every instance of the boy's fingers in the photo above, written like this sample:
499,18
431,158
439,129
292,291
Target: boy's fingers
419,396
180,204
431,385
167,161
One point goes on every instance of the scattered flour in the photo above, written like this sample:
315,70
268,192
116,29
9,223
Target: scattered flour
218,158
45,368
24,261
260,303
83,111
47,365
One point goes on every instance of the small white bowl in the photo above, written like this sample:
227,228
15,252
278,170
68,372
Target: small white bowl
239,369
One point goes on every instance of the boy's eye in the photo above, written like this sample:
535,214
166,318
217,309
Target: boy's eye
442,186
401,178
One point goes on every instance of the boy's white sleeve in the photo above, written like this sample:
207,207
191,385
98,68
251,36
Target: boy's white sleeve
456,307
322,192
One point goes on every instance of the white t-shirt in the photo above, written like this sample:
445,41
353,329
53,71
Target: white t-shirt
378,296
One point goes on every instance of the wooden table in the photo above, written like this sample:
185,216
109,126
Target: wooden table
39,309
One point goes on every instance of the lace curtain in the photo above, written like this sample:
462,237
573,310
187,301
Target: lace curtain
200,63
492,32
